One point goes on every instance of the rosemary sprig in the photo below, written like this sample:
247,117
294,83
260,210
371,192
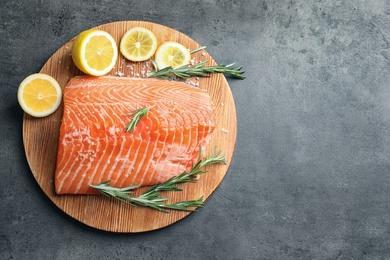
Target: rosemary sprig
152,198
199,70
137,116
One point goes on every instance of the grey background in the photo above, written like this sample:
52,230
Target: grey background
310,175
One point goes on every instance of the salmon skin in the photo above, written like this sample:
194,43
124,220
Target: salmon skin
94,146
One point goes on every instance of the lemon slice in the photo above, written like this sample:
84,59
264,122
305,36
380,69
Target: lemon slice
94,52
39,95
138,44
172,54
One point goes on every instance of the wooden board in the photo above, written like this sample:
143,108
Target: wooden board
40,136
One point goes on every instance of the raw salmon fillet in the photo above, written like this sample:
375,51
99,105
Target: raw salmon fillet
94,146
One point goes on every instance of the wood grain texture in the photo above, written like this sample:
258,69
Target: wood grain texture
40,137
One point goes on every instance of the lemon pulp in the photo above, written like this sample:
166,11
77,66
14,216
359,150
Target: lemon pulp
138,44
172,54
39,95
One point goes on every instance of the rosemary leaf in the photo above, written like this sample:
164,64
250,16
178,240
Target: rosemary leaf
197,49
137,116
184,205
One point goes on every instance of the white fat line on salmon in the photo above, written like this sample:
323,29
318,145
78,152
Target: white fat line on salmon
105,166
80,133
138,170
151,160
119,158
86,156
137,141
125,171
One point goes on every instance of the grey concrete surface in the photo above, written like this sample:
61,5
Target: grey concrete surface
310,178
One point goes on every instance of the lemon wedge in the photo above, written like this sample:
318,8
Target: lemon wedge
94,52
172,54
39,95
138,44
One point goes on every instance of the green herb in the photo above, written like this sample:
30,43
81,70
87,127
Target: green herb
137,116
151,198
199,70
197,49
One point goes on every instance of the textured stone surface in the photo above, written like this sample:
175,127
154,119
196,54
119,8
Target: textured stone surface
310,177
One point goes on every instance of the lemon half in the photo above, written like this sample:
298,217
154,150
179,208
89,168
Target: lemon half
39,95
94,52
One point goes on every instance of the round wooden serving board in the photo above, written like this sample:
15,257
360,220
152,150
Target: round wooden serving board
40,136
